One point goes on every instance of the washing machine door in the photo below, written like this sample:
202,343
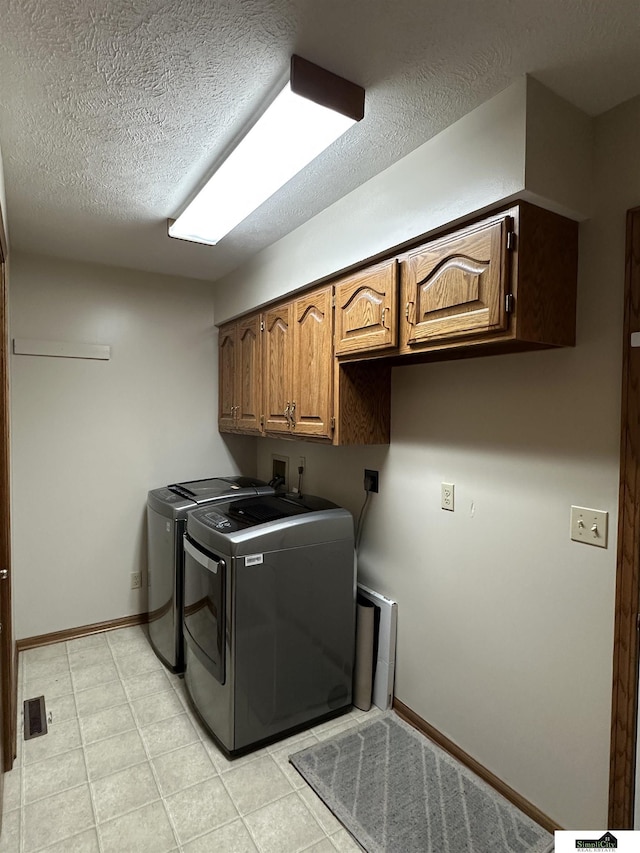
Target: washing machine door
204,606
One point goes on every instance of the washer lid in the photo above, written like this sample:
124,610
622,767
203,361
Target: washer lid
204,491
256,511
268,523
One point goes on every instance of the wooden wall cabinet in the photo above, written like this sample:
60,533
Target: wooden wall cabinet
240,376
456,286
307,393
318,366
505,283
312,380
298,359
367,310
277,349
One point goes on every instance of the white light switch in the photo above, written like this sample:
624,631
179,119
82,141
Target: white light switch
446,496
589,525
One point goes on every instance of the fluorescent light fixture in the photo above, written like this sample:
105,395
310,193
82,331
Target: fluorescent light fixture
308,114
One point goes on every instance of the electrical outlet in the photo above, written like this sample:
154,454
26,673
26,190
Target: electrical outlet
447,494
136,580
370,480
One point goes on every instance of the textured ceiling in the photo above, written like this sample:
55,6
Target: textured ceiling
112,110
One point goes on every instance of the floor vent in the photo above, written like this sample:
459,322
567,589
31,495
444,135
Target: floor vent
35,718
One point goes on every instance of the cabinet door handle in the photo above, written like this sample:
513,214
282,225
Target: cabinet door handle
383,318
287,410
293,414
407,312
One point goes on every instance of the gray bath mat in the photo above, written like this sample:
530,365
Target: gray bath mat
397,792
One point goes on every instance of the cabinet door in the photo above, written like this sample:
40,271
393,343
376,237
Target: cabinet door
277,356
366,309
248,385
456,286
226,377
312,403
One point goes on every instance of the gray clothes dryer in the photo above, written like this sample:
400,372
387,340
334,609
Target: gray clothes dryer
166,519
269,619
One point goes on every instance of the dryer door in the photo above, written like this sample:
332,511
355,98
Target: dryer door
204,606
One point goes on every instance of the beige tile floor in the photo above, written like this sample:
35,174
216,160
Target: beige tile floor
126,767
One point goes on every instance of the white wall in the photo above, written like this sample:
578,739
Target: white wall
502,150
90,438
559,153
505,631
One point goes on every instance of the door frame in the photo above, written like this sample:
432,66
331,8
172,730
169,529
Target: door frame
627,606
8,664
